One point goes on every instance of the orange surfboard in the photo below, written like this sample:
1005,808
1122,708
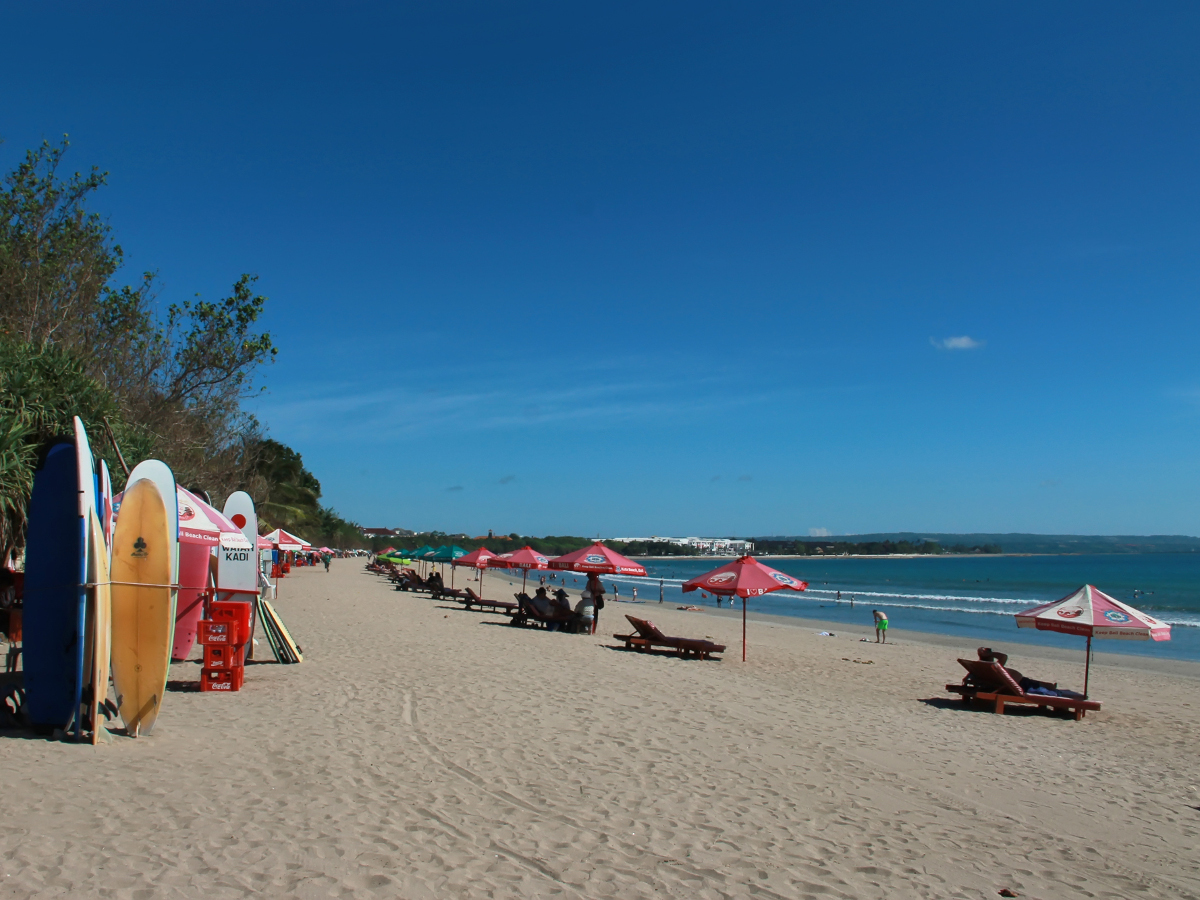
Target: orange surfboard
143,605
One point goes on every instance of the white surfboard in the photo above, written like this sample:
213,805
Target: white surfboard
237,565
87,505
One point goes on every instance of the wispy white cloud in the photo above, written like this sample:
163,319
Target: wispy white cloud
962,342
384,414
818,532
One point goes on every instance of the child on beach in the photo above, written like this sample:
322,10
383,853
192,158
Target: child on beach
881,624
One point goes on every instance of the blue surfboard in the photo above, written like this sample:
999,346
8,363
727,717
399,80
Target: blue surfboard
55,561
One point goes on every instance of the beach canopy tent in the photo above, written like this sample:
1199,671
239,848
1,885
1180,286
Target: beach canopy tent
744,577
525,559
1092,613
324,550
476,559
286,541
264,544
598,559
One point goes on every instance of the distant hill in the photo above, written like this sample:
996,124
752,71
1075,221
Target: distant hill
1023,543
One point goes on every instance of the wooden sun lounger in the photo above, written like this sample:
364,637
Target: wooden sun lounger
500,606
991,683
648,636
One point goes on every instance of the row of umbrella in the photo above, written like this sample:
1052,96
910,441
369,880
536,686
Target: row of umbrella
1087,612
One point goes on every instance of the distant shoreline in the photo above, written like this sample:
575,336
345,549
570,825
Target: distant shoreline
715,556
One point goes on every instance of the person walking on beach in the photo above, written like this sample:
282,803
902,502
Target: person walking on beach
881,624
594,591
325,558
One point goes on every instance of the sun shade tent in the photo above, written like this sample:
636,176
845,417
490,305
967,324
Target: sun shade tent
1092,613
744,577
597,559
286,541
525,559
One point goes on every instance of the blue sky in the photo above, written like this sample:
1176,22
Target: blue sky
674,268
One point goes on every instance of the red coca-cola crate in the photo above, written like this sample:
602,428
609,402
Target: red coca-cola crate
225,632
224,656
222,679
231,611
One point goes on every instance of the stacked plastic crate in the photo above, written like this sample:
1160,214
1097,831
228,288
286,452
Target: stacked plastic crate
224,635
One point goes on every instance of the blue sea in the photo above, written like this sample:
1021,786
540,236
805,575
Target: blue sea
974,597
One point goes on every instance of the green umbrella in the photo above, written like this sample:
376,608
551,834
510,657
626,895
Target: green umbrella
449,555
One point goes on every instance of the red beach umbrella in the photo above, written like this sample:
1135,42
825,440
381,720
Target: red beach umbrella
476,559
525,559
1092,613
599,559
744,577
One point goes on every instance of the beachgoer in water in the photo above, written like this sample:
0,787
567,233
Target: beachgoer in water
881,626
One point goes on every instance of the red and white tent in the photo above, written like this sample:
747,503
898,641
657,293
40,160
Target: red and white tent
1091,613
599,559
285,541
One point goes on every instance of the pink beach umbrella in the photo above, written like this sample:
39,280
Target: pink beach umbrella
525,559
744,577
476,559
598,559
1092,613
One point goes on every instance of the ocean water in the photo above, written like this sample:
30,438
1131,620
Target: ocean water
974,597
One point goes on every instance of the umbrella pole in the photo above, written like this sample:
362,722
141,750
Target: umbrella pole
1087,669
453,569
743,629
524,575
481,584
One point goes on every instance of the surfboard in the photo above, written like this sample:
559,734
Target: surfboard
97,650
239,509
105,503
55,552
86,505
160,473
194,582
143,608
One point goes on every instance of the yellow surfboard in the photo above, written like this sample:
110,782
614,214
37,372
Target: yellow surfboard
143,608
97,650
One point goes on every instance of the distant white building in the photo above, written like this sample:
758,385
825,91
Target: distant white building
701,545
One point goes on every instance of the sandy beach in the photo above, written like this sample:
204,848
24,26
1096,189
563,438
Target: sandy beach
424,751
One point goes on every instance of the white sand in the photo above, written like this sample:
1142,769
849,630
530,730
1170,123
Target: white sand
422,751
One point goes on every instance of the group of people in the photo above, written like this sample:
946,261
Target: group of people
586,612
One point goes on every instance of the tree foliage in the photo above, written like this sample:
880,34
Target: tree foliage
177,378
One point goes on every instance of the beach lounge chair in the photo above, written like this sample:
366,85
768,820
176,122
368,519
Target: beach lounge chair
500,606
445,593
989,681
527,611
648,637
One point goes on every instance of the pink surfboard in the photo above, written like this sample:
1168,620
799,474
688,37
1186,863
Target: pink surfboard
193,581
